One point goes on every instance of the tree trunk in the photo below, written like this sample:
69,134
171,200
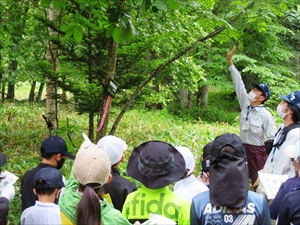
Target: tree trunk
202,96
40,92
51,87
156,72
64,99
31,93
11,84
111,67
186,98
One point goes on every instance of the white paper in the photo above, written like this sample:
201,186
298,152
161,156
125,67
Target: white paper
155,219
8,181
271,183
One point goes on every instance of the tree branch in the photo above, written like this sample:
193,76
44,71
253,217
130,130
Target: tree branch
156,72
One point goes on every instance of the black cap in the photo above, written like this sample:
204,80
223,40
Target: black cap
56,145
227,140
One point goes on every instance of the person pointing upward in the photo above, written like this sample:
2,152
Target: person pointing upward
256,123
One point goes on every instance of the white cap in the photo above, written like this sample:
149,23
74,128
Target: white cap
293,151
113,146
188,158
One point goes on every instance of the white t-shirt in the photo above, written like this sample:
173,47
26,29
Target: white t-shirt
189,187
41,213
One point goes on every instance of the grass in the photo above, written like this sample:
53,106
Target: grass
23,130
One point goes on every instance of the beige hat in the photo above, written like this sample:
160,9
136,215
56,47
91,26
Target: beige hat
92,164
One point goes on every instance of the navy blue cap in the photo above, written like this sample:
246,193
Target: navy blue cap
56,145
51,176
264,88
293,98
2,159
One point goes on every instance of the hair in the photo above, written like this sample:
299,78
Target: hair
89,207
295,114
45,155
43,191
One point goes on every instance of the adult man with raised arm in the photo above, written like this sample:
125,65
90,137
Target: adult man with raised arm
256,123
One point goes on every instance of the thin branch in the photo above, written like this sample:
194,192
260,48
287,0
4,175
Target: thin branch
156,72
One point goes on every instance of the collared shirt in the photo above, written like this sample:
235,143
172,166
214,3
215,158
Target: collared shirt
278,162
261,122
41,213
189,187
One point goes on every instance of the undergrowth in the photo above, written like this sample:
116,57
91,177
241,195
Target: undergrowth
22,130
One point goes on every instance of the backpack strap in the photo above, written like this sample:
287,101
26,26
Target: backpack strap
285,132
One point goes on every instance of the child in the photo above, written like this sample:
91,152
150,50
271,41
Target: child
47,185
156,164
81,202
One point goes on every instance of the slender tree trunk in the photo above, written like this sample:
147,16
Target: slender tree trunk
11,84
31,93
40,92
202,96
111,67
3,92
52,58
64,100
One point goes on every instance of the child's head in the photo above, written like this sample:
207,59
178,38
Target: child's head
156,164
48,181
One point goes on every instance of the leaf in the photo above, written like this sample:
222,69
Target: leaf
47,3
160,4
137,2
173,4
109,31
65,28
116,34
77,34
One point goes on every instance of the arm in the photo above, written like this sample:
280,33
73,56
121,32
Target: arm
283,216
229,56
270,127
275,205
194,220
238,83
265,214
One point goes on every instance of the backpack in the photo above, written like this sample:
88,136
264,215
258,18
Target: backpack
269,144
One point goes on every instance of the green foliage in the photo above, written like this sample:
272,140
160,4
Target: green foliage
223,108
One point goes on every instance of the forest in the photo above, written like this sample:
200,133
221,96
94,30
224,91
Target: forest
139,69
92,56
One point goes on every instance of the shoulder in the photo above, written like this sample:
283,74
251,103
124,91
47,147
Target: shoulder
203,196
109,214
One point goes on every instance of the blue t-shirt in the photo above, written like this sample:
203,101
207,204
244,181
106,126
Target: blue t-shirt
256,211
